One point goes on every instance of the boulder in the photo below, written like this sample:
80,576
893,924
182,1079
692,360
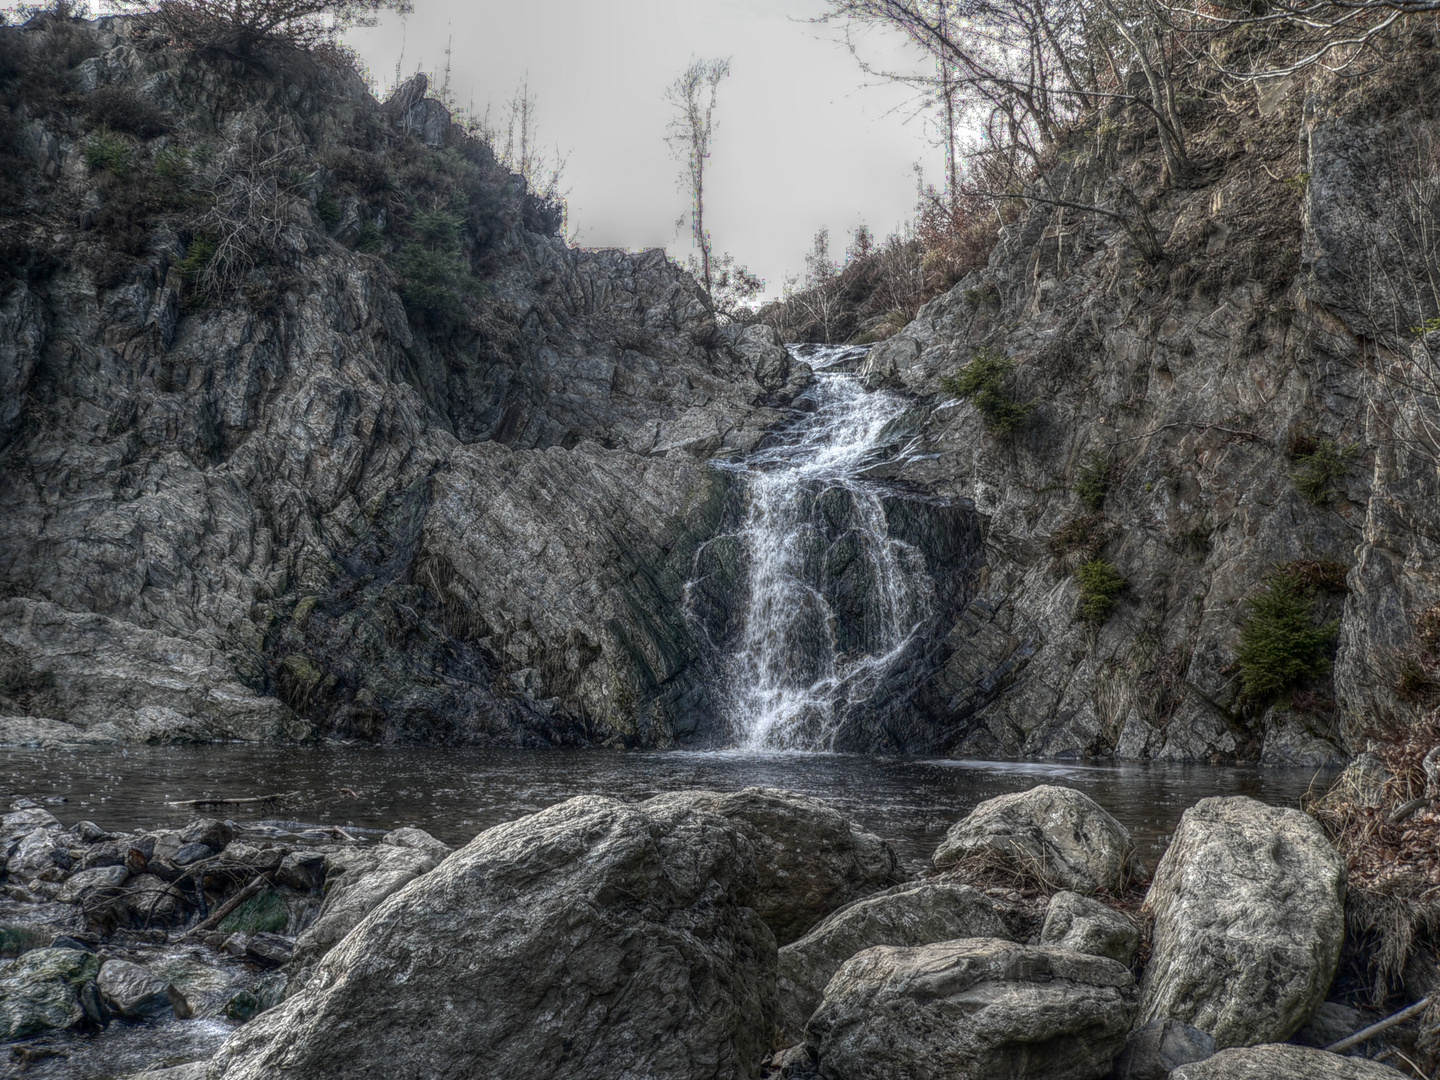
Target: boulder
978,1007
1078,922
1283,1062
810,859
411,837
137,993
1152,1051
194,1070
915,914
1055,836
357,881
269,950
149,901
82,885
212,832
43,854
40,991
21,822
1249,914
303,870
591,941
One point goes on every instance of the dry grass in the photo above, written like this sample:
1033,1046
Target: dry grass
1393,904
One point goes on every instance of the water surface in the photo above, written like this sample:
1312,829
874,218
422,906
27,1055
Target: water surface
457,793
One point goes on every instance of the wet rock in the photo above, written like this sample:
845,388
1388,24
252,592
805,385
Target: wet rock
80,886
251,1001
42,855
192,853
1152,1051
1056,836
590,941
411,837
39,991
40,732
976,1007
89,832
269,950
212,832
135,992
1280,1062
104,853
1248,904
917,914
1077,922
150,901
21,938
358,880
303,870
195,1070
810,859
21,822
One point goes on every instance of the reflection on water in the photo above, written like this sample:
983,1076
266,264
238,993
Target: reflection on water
456,793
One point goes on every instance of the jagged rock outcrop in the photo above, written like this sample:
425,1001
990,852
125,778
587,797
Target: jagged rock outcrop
1250,402
591,940
312,423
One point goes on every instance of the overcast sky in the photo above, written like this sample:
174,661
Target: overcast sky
801,141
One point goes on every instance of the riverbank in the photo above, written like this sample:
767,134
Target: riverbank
228,920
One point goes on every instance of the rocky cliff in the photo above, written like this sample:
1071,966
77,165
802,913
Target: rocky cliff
1175,451
313,424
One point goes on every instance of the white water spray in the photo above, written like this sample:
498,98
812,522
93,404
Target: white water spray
788,680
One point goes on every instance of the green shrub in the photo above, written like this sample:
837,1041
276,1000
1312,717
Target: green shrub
172,165
108,151
434,284
198,254
981,382
1319,465
1280,644
1100,589
327,208
1093,482
371,239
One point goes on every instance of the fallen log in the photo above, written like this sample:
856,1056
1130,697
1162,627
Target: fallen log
252,801
259,882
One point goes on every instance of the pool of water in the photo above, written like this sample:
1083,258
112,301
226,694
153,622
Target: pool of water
457,793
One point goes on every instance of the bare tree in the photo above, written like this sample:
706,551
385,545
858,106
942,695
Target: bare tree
519,149
692,96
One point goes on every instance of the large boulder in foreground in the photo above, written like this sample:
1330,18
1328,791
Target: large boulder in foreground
1249,910
973,1008
1283,1063
592,941
916,914
810,859
1056,836
357,880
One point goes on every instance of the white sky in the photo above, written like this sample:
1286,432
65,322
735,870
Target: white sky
800,141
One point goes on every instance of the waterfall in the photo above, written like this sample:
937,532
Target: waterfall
825,599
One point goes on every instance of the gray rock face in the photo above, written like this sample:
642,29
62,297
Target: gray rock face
1331,1023
1153,1051
410,837
41,855
1248,904
915,914
972,1008
302,508
1283,1063
40,732
590,941
810,860
1085,925
99,879
1053,835
39,991
135,992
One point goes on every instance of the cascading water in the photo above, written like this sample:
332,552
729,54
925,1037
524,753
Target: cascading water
827,599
